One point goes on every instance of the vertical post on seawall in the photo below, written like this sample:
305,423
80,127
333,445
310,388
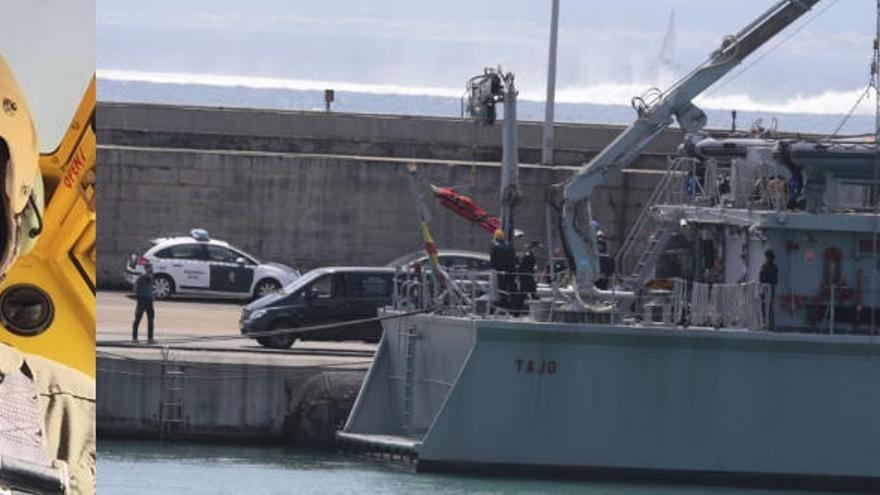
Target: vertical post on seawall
329,97
548,139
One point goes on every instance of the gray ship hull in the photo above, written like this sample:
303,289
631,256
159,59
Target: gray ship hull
462,393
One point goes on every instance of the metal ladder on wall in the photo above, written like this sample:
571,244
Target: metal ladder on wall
409,378
171,403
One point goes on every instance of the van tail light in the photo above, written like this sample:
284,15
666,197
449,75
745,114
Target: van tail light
141,261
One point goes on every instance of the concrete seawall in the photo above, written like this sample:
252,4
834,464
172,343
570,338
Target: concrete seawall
310,210
399,136
165,170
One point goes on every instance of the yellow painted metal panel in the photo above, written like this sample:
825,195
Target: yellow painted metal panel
63,262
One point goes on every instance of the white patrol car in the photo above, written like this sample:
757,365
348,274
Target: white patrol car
200,266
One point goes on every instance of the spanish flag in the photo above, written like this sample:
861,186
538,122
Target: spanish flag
431,249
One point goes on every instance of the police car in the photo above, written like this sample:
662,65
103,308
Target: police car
200,266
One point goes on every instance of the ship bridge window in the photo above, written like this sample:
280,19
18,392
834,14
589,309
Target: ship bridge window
864,247
851,195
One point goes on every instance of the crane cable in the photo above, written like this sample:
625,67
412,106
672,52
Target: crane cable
852,110
770,50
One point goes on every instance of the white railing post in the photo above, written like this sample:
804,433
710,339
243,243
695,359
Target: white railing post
831,312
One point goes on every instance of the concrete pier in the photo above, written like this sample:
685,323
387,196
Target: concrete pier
233,395
226,387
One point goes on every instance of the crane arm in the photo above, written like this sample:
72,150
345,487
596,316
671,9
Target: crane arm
655,113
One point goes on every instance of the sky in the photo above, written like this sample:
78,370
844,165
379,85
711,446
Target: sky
609,50
50,46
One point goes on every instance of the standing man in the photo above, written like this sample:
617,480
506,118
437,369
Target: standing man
144,291
527,285
769,275
606,262
502,257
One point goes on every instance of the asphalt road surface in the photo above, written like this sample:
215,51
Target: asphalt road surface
182,318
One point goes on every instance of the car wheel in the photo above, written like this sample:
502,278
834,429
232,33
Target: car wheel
266,287
281,341
163,287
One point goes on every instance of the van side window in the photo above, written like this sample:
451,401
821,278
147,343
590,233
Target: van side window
323,287
368,285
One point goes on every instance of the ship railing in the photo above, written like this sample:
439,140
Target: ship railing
481,293
684,303
738,305
715,305
458,291
704,182
422,290
834,309
770,190
694,182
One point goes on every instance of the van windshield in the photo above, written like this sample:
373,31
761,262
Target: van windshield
301,282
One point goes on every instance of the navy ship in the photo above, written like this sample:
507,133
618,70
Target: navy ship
743,344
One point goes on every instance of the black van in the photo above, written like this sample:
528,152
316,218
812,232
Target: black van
322,296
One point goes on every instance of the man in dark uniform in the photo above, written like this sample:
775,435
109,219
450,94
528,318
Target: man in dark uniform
502,257
526,270
143,288
769,275
606,262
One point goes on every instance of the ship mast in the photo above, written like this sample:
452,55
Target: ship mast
875,81
483,93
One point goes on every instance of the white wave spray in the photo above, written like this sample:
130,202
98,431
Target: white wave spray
830,102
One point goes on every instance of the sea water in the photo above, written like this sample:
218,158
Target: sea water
150,468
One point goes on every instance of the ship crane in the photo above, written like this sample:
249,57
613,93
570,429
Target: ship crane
655,111
484,92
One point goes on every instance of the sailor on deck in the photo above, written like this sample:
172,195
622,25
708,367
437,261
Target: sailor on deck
769,275
502,257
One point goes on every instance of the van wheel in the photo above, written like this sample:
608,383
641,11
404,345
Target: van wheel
280,341
163,287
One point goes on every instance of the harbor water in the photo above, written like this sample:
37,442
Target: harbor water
147,468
